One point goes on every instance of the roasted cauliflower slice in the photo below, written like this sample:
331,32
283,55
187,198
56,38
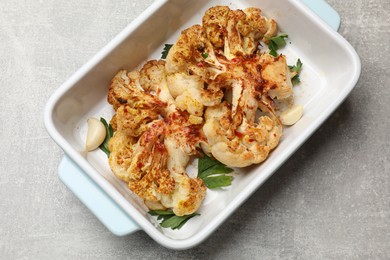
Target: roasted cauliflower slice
149,177
154,166
239,146
147,138
235,136
182,139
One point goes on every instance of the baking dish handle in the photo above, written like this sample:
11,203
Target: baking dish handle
325,12
96,200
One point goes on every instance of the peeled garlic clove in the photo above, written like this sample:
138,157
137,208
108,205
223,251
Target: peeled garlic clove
292,115
95,135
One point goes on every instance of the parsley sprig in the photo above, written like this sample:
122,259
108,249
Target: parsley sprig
165,51
214,173
295,70
170,220
275,43
109,134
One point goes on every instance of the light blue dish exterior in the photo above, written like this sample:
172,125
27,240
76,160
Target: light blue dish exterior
101,205
325,12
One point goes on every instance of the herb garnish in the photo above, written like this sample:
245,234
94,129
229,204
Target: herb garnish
295,70
109,134
213,173
276,43
205,55
164,53
170,220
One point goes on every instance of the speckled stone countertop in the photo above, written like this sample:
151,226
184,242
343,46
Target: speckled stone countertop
330,200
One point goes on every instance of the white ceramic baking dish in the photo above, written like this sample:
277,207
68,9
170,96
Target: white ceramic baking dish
331,70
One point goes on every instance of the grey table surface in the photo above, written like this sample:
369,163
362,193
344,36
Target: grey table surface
330,200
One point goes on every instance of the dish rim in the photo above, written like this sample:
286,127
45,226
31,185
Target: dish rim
244,194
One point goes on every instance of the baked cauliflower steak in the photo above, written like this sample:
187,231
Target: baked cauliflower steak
153,141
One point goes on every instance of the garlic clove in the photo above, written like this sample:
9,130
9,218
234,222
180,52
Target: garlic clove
292,115
95,135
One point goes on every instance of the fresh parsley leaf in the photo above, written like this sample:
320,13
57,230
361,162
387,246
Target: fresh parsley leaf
165,51
219,181
184,221
176,222
295,70
280,40
206,162
295,80
170,220
276,43
161,212
215,169
297,67
213,173
109,134
272,49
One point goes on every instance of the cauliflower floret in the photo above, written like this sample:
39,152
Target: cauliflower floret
118,92
154,166
121,154
234,136
127,90
181,141
214,23
276,75
178,83
149,177
188,196
260,26
191,64
152,74
234,41
237,32
190,101
154,78
132,121
190,93
135,107
241,146
192,53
